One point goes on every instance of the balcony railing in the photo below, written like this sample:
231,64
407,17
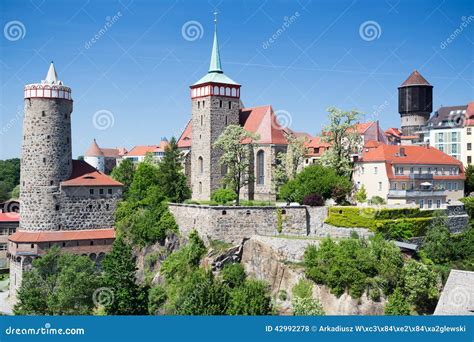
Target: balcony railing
423,176
416,193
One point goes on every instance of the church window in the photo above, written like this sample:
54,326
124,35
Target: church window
230,105
220,103
260,167
201,165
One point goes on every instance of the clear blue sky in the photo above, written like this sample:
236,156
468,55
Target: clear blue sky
141,68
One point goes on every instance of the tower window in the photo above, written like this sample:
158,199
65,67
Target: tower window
201,120
260,167
67,140
51,182
200,187
44,160
65,116
203,104
201,165
43,113
48,137
220,103
226,120
91,191
199,104
230,105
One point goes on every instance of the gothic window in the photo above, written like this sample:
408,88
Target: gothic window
201,165
260,167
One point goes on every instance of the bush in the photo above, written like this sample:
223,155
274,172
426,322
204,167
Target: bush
404,228
316,179
377,200
397,304
233,275
250,299
361,195
303,289
223,195
156,299
306,307
469,205
314,200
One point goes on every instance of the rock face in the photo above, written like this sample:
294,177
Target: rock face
263,259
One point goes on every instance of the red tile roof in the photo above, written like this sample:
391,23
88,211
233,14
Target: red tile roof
95,151
143,150
372,144
393,131
263,121
185,138
62,235
84,174
317,142
415,78
469,114
9,217
362,127
413,154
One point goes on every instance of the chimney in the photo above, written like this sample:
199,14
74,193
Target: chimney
401,152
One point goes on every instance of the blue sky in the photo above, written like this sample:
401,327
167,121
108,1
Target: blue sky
138,72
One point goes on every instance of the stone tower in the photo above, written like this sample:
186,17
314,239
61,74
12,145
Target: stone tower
46,152
215,105
415,103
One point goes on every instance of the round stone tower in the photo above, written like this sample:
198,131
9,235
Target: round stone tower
415,103
46,152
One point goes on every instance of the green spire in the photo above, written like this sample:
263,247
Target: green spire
215,65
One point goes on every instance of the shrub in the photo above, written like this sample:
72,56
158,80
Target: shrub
314,200
404,228
223,195
361,195
469,205
156,299
303,289
250,299
233,275
307,307
397,304
377,200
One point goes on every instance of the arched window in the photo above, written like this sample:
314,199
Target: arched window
200,165
227,91
260,167
234,92
216,90
222,91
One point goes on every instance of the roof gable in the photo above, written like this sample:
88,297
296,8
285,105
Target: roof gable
84,174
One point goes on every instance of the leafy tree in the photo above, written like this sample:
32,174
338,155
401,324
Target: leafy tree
9,176
397,304
233,275
250,299
123,173
156,298
303,289
223,195
15,194
4,192
58,284
237,146
469,182
419,284
307,307
172,180
295,154
315,179
344,140
146,176
119,276
361,195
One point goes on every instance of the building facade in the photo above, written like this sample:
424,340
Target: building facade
138,153
64,202
420,175
103,159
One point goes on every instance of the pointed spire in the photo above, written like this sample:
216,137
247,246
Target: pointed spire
52,76
415,78
215,65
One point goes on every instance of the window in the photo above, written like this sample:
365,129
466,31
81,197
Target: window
44,160
101,191
230,105
375,170
438,203
220,103
363,170
440,137
91,191
429,170
455,186
411,170
199,104
469,159
469,146
226,120
57,207
201,120
43,113
422,204
201,165
469,131
404,186
200,187
32,245
435,170
260,167
3,246
430,204
419,170
380,186
454,136
109,191
203,104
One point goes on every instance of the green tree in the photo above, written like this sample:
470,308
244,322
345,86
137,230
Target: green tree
419,284
172,180
361,195
4,192
250,299
123,173
223,195
146,176
15,194
469,182
307,307
119,277
156,298
295,154
236,145
315,179
9,176
233,275
397,304
344,140
58,284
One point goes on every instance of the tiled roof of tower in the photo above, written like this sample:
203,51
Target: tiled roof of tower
62,235
84,174
263,121
412,155
364,126
9,217
185,138
415,78
94,150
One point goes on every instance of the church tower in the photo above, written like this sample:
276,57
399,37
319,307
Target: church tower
46,152
415,103
215,104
